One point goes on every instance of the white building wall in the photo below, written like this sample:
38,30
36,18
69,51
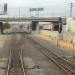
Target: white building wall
71,23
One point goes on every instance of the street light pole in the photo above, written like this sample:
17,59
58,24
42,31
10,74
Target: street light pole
71,6
30,13
19,15
19,12
37,13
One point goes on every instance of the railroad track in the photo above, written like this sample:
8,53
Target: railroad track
68,68
15,63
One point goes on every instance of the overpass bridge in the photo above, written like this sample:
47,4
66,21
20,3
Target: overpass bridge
39,19
34,20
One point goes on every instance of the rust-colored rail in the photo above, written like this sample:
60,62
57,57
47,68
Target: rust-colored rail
68,68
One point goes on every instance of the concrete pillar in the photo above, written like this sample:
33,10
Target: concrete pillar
1,27
60,25
34,25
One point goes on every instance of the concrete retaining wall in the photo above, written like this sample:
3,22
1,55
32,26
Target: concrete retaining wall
71,23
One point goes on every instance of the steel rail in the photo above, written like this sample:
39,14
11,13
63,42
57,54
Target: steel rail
15,46
60,62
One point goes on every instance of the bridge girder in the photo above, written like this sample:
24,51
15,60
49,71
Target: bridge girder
52,19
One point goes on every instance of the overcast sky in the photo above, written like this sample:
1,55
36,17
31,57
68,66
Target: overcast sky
51,7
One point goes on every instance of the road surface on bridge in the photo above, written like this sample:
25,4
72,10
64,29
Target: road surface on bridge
39,19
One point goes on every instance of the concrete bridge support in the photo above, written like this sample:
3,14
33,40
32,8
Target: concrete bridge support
1,27
60,25
34,25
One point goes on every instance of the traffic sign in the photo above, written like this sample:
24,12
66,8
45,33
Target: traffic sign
36,9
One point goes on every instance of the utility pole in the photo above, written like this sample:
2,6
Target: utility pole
37,13
30,13
19,12
71,6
